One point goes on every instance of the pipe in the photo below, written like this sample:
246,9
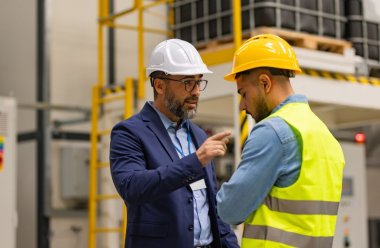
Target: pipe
122,13
49,107
111,48
140,38
237,23
42,119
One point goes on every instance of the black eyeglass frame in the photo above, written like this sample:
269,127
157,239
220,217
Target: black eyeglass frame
188,82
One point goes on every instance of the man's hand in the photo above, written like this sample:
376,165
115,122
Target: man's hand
214,146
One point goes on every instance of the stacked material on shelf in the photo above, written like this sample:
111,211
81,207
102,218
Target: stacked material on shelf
200,21
362,32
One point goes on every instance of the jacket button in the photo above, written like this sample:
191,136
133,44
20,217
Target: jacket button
191,227
190,199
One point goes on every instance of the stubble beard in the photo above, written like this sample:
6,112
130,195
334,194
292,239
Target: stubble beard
262,109
177,108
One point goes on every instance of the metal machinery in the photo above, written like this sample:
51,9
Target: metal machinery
8,214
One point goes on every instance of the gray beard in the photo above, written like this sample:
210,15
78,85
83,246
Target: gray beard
176,108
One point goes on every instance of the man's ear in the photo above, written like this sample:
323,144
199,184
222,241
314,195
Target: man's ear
159,85
265,81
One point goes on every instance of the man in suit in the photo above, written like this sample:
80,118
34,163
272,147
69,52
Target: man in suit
161,161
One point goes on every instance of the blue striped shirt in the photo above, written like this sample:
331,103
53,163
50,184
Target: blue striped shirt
179,137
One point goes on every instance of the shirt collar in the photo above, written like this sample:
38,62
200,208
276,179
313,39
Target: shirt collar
166,121
291,99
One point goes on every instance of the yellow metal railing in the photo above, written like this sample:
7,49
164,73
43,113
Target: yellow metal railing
95,164
107,20
93,168
237,42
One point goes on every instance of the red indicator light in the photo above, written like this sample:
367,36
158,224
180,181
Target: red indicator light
360,138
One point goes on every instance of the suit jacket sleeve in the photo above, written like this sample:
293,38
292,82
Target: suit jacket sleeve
135,179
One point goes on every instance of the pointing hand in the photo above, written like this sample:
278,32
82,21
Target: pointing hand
214,146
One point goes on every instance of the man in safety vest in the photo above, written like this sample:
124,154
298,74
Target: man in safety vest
288,184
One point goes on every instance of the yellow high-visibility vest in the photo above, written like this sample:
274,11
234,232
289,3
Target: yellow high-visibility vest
304,213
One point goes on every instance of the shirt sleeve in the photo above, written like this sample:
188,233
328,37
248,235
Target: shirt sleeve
261,164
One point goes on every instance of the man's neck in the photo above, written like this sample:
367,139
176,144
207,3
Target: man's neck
280,93
166,112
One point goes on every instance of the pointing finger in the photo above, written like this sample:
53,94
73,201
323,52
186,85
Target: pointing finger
220,136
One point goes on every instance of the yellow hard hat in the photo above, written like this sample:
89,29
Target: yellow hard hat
264,50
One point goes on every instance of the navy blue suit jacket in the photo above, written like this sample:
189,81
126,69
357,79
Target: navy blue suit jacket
154,183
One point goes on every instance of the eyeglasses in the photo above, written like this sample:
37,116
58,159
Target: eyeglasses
190,83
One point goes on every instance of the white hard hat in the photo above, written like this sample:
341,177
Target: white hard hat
176,57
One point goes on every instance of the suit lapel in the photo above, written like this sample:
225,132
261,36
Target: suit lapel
154,123
196,136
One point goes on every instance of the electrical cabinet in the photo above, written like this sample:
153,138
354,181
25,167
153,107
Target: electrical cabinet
8,213
74,172
352,223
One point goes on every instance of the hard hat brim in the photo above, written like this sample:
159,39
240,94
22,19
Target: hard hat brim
230,77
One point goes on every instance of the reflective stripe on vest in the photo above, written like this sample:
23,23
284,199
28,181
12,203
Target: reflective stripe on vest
304,213
301,207
281,236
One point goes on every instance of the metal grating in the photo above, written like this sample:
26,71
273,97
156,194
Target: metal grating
365,37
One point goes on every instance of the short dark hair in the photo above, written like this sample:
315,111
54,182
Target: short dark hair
153,75
272,71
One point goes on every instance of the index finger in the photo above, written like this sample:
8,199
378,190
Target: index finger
221,135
